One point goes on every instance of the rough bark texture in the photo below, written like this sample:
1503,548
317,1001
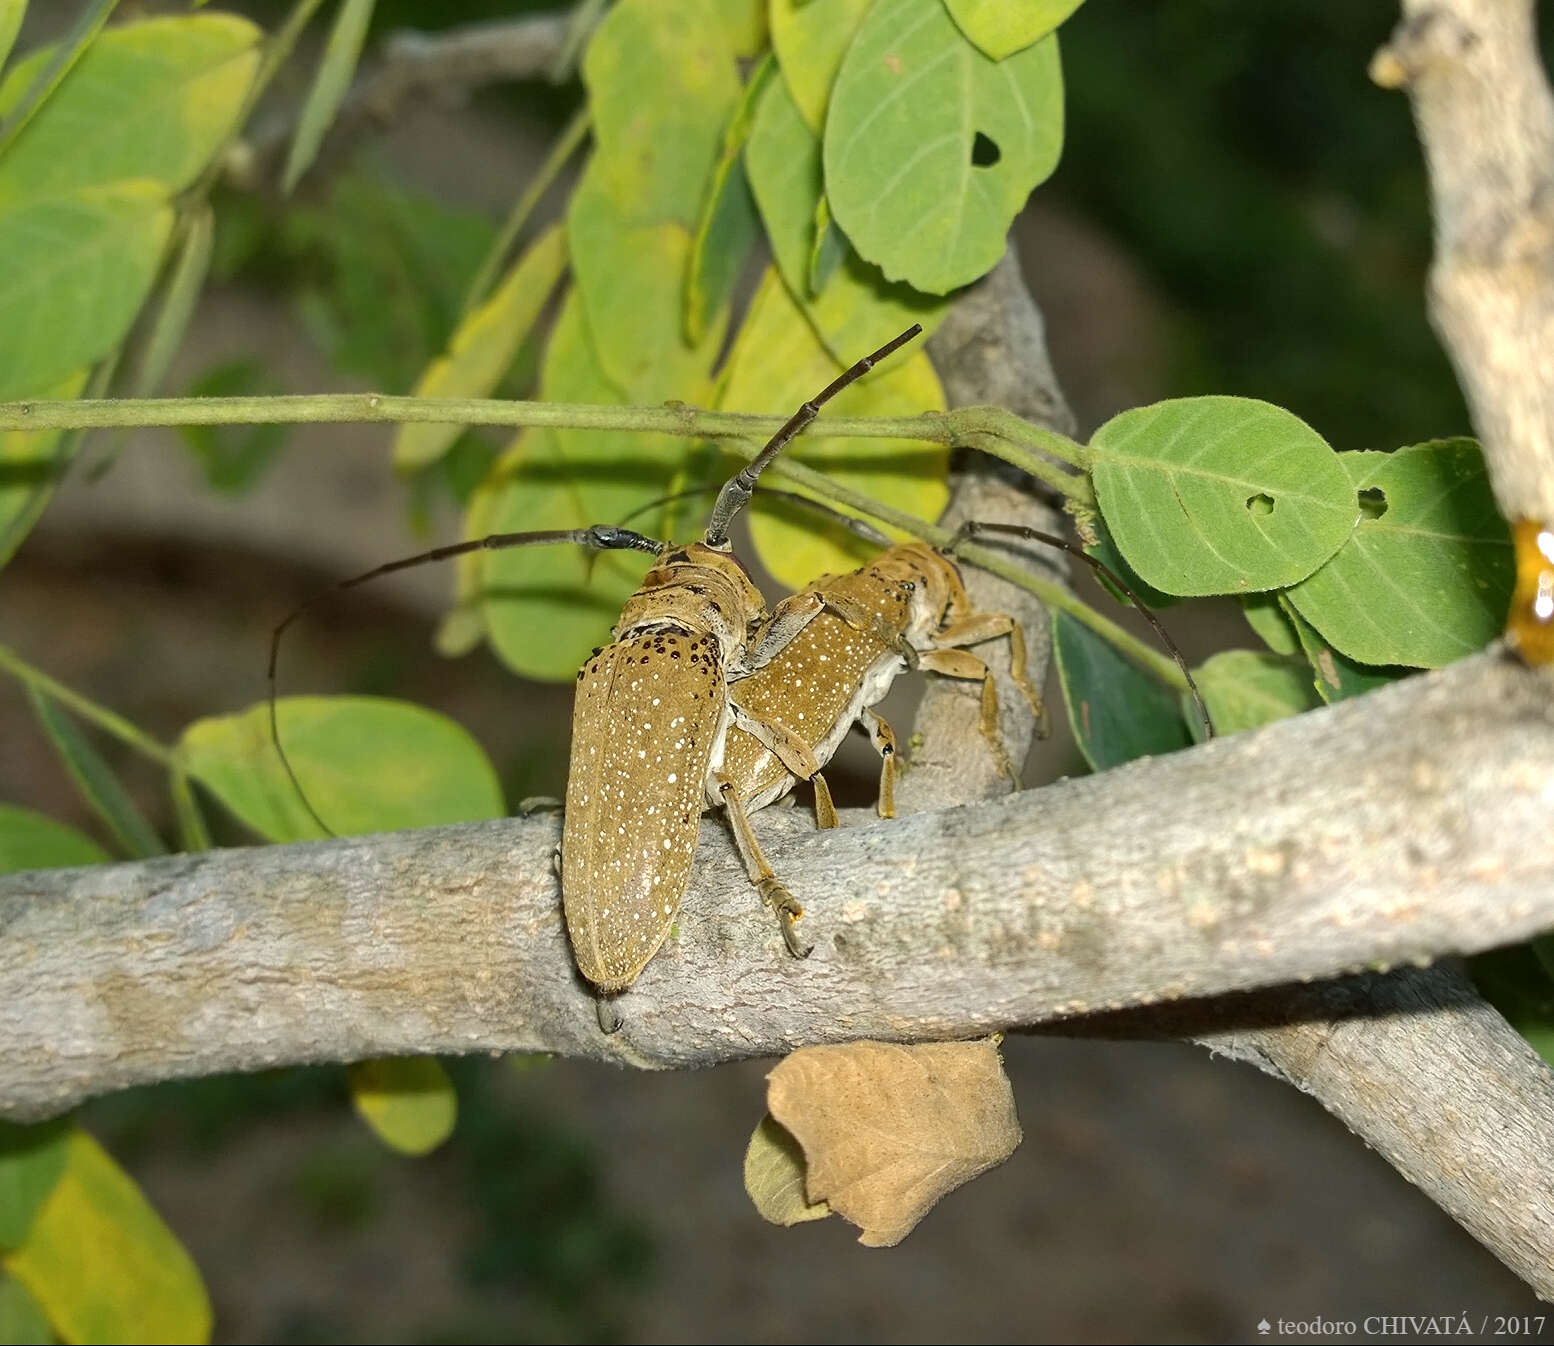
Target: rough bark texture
1486,121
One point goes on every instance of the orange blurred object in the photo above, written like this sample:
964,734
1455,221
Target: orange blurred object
1529,627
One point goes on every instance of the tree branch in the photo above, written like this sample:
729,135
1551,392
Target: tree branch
1486,123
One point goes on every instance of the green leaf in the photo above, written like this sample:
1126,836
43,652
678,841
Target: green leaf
330,85
1515,982
631,280
367,764
1267,618
22,1319
96,781
1117,713
1426,576
31,840
1104,550
547,607
482,347
931,149
32,1158
408,1100
810,40
77,269
11,14
233,458
1247,688
1000,28
1338,677
102,1263
662,85
1220,495
193,834
51,73
181,294
827,252
744,21
774,1176
778,363
858,310
31,465
153,99
728,226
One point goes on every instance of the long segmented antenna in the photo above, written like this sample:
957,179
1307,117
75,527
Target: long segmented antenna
598,537
971,528
737,491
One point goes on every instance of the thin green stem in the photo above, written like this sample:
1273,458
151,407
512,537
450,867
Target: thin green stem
1146,657
544,177
117,725
1074,486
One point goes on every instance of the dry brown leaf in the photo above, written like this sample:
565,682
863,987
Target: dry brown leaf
887,1130
774,1176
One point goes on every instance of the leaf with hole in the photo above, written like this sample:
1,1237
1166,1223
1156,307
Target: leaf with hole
368,765
1116,711
336,69
1244,689
1337,677
31,840
858,309
810,40
1220,495
777,363
728,226
100,787
153,99
1000,28
662,86
409,1101
78,267
483,346
931,149
102,1263
1427,575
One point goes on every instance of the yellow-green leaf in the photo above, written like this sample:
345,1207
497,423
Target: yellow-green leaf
547,607
1245,689
774,1176
661,86
179,296
408,1100
857,310
745,23
728,226
631,278
483,346
11,15
778,363
30,469
1002,27
810,40
22,1319
51,73
77,268
32,1158
153,99
367,764
31,840
102,1263
330,85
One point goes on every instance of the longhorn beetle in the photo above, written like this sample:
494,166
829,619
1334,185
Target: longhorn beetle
854,634
650,717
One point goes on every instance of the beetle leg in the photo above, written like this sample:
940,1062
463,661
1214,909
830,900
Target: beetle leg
883,737
980,626
963,664
772,889
825,808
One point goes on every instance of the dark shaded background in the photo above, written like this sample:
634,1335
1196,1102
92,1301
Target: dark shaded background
1238,210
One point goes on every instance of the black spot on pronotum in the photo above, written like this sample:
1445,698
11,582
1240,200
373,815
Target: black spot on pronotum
1373,502
984,151
1259,504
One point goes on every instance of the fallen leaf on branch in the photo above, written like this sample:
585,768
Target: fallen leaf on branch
887,1130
